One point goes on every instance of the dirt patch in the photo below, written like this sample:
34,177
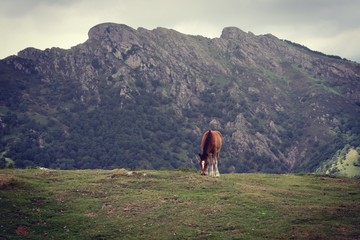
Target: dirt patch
173,199
123,173
22,230
39,200
139,208
204,234
133,209
91,214
7,181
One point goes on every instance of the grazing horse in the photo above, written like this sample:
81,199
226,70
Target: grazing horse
211,144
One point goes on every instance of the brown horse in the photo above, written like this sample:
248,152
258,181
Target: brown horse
211,144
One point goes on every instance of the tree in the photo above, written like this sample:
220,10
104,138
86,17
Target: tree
2,162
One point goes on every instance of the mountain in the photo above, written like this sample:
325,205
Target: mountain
143,98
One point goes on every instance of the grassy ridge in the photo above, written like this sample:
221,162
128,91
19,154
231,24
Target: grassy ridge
345,163
117,204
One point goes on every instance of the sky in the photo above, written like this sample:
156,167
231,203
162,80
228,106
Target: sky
328,26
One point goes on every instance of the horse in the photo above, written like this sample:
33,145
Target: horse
210,144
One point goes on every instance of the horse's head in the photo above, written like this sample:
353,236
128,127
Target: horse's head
203,161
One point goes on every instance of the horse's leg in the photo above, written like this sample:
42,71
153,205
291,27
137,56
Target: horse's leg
211,165
217,173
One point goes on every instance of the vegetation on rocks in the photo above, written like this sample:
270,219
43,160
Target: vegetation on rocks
142,99
345,162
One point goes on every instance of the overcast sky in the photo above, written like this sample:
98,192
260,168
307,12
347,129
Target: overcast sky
329,26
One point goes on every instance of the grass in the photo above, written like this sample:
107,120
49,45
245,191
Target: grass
348,167
119,204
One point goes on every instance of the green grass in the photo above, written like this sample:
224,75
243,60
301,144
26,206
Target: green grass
345,163
38,118
348,167
118,204
3,110
221,81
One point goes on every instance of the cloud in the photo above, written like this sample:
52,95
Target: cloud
321,25
342,44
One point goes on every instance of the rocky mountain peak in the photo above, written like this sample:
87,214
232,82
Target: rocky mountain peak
279,105
116,33
234,33
30,53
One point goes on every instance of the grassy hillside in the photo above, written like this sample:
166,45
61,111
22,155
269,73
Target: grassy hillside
118,204
345,163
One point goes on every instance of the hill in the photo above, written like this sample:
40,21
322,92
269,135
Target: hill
141,99
345,163
121,204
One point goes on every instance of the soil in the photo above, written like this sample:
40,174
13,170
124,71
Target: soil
22,230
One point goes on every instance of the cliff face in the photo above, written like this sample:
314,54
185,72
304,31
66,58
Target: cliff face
280,106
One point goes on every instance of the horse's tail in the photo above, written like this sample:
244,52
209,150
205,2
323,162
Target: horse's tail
208,137
207,142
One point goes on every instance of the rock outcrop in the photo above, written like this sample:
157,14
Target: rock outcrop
270,97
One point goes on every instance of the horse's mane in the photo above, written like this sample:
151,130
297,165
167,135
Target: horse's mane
207,143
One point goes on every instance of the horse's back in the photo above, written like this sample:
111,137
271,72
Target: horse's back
216,140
